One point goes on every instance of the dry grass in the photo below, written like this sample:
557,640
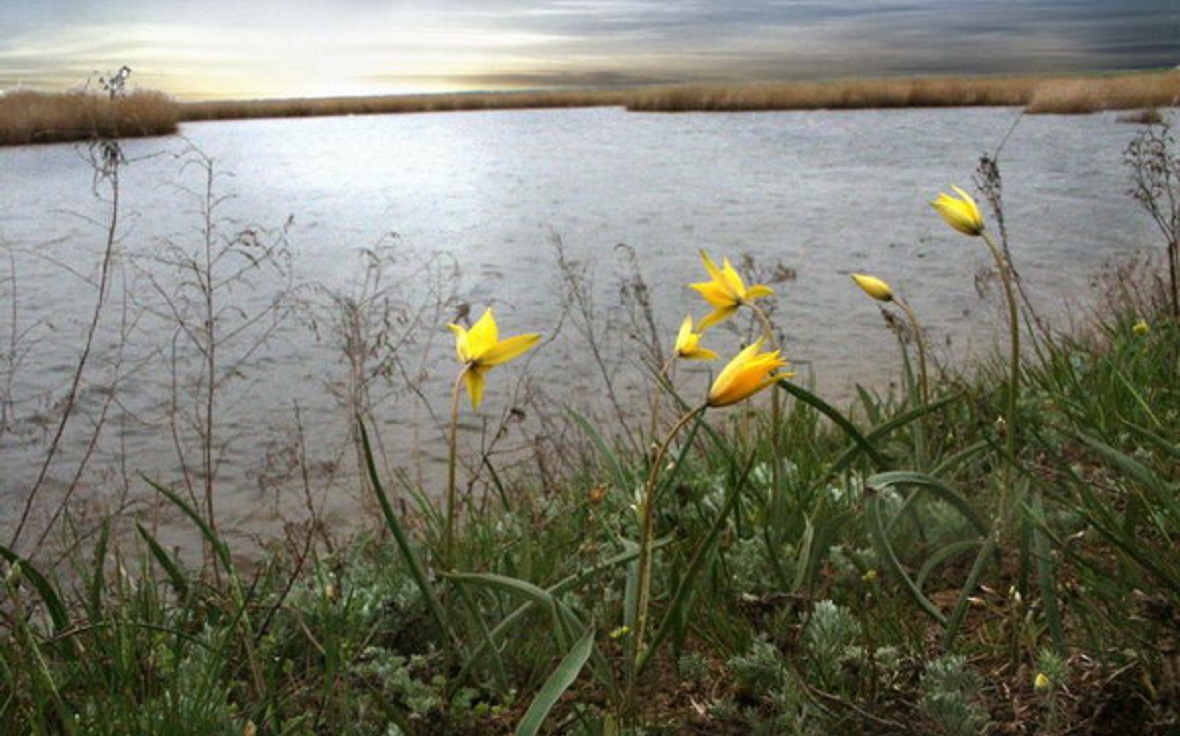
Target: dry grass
452,102
38,117
33,117
1037,94
1091,94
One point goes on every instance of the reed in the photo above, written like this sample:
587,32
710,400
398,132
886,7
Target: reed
1093,94
28,116
1037,94
394,104
36,117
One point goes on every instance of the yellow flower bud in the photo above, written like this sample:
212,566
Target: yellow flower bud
960,212
874,287
1042,683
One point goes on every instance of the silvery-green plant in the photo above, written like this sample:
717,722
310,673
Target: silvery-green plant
949,697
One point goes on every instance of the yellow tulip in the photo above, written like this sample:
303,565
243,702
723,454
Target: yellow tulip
748,373
960,212
725,291
688,343
874,287
480,348
1141,327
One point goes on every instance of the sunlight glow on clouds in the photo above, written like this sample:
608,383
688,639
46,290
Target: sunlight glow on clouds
252,48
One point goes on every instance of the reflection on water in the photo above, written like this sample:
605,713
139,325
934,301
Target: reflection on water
466,210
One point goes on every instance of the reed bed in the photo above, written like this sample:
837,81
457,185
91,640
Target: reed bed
28,116
35,117
396,104
1037,94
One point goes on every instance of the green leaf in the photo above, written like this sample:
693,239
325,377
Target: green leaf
417,570
175,576
555,686
621,478
220,549
841,421
935,486
53,603
885,549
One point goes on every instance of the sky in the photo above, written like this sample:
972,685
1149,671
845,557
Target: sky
204,49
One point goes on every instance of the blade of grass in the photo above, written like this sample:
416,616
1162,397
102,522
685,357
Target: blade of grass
220,549
944,492
53,603
839,419
881,430
889,557
561,616
417,570
682,596
607,455
555,686
1046,573
175,577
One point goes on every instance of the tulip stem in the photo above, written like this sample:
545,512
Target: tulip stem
646,529
776,406
1005,269
767,327
923,381
452,452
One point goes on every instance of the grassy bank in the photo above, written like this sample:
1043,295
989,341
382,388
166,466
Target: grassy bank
1037,94
30,117
36,117
813,596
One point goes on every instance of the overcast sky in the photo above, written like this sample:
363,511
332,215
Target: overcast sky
283,48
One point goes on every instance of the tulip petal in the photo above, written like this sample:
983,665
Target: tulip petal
745,375
474,380
482,336
460,342
758,291
720,314
505,350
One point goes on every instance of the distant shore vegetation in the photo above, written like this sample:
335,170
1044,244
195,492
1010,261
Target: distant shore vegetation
36,117
28,116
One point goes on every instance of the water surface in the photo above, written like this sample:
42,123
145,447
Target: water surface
820,193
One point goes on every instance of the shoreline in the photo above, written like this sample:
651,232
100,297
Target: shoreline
28,117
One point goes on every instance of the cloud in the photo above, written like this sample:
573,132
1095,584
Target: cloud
291,47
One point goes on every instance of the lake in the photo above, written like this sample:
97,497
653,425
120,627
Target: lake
465,209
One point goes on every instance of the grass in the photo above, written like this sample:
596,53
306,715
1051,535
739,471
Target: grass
36,117
993,553
33,117
796,617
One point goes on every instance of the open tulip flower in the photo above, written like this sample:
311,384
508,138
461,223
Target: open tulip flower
874,287
725,291
960,212
688,343
749,372
480,348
